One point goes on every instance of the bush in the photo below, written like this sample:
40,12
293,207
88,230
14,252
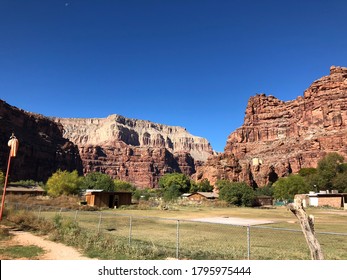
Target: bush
29,221
239,194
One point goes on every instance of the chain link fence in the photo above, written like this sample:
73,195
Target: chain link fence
188,239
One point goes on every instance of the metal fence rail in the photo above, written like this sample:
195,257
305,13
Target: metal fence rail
187,239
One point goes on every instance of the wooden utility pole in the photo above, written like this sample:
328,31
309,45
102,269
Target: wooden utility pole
307,225
13,144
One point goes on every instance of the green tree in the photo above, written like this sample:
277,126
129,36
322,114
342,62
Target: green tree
311,176
328,168
171,193
236,193
306,172
98,181
203,186
173,185
340,182
63,182
267,190
124,186
143,194
220,184
286,188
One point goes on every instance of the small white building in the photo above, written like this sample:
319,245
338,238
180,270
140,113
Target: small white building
328,198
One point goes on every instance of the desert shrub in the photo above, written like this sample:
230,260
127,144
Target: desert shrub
4,233
29,221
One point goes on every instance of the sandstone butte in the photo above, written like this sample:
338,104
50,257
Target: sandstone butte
276,139
134,150
279,138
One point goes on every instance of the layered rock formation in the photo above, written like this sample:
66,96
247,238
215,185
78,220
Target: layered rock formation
133,150
279,138
42,147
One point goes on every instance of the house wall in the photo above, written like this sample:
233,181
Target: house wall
103,199
330,201
124,199
90,199
97,200
314,201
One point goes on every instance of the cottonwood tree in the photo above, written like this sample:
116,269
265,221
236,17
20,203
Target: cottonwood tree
63,183
173,185
203,186
120,185
287,187
98,181
327,169
236,193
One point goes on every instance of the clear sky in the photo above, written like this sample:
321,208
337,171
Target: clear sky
191,63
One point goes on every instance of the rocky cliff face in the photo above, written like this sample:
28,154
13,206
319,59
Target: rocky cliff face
42,147
134,150
279,138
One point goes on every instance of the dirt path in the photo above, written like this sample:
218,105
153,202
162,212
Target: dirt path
53,250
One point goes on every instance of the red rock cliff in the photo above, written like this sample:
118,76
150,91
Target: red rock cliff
134,150
278,138
42,147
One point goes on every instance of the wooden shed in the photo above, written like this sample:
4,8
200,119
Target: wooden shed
100,198
30,190
263,200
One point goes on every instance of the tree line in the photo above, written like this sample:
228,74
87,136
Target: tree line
331,173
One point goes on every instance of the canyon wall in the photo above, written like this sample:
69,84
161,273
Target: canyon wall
42,147
134,150
279,138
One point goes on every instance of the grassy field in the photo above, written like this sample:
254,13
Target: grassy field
153,233
171,232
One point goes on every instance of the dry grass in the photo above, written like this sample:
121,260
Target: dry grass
154,230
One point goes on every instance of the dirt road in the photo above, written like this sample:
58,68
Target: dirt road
53,250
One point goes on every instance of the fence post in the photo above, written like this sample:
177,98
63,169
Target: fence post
76,215
248,242
99,223
130,229
39,212
178,240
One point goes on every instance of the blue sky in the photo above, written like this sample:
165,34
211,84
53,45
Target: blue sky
187,63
